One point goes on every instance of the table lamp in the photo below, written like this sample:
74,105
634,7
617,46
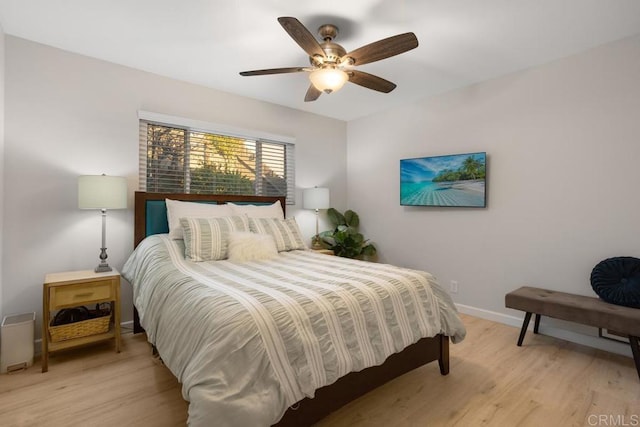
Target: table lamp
102,192
316,198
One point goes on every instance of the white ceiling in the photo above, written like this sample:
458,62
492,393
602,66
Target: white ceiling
208,42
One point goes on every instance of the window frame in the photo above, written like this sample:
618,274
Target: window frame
190,125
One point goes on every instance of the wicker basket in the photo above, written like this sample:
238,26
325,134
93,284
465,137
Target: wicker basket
97,325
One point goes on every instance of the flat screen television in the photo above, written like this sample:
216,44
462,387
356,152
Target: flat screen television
455,180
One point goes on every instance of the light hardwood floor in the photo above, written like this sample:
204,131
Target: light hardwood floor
547,382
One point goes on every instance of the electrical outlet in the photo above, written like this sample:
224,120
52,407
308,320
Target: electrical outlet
453,287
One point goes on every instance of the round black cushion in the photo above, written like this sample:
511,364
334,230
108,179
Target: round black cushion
617,281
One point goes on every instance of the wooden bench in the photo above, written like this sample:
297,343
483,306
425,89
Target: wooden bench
576,308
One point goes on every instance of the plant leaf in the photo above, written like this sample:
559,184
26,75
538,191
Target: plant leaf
339,238
335,217
329,240
351,218
369,250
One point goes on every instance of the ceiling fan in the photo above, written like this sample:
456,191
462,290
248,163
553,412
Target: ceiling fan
331,65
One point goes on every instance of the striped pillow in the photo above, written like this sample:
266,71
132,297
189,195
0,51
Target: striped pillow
207,239
285,232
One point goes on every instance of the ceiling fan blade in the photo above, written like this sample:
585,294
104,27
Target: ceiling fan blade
312,94
370,81
273,71
301,35
384,48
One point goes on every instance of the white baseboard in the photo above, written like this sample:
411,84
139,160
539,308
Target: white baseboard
575,337
126,326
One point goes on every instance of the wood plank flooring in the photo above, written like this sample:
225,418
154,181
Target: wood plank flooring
547,382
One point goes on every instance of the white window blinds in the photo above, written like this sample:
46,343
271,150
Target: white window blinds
180,159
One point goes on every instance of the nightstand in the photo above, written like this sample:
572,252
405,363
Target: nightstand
323,251
79,288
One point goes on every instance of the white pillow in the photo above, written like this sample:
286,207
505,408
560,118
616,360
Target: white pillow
207,239
285,232
177,209
246,246
258,211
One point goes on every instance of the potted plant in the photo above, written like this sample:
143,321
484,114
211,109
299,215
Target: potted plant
345,240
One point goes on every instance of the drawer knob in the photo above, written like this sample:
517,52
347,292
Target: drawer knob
86,294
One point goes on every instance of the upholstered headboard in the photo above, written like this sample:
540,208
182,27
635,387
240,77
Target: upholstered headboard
151,209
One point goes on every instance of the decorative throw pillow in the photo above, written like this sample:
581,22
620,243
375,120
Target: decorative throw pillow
177,209
247,246
617,281
207,239
258,211
285,232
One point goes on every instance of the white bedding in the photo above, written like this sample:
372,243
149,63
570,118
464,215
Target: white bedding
248,340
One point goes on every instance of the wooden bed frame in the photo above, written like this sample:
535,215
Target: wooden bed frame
348,388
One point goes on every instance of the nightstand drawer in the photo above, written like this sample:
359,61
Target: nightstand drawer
81,293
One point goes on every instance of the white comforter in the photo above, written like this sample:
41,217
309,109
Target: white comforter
248,340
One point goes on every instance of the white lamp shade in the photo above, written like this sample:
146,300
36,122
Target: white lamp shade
102,192
328,79
315,198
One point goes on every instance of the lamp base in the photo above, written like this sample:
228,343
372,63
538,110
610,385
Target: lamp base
316,243
102,268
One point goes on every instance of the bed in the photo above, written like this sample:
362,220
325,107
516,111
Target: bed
293,383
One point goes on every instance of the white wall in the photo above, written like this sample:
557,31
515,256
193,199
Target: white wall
563,144
68,115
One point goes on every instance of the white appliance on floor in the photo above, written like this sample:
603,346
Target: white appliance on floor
16,342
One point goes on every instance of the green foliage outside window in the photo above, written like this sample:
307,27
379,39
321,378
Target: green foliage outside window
179,160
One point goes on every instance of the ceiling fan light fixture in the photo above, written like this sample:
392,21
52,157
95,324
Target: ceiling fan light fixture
328,80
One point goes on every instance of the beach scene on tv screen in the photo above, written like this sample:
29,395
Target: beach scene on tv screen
454,180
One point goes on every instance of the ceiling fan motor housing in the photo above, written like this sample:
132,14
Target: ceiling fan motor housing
333,52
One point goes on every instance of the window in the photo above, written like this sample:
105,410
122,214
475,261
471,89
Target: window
181,159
